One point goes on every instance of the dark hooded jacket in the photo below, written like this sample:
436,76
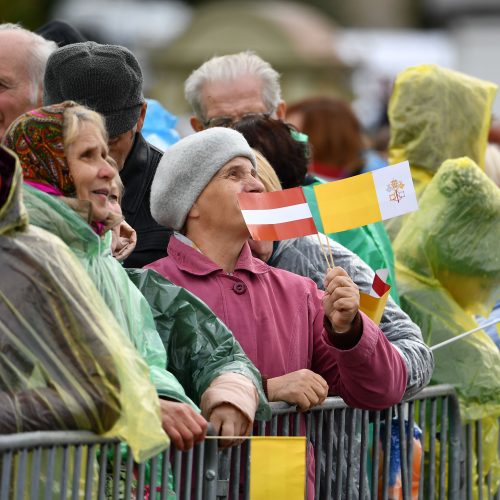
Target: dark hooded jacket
137,176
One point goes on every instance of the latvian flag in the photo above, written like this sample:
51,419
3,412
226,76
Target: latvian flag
279,215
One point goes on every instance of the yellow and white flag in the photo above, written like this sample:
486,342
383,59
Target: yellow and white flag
366,198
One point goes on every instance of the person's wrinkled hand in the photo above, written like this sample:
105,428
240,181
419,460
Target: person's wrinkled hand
183,425
227,420
303,388
124,239
341,299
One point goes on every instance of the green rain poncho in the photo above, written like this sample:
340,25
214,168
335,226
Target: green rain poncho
64,362
126,302
436,114
448,268
199,346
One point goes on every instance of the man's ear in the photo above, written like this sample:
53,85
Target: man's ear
281,110
196,124
142,116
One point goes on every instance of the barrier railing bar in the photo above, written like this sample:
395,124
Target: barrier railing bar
165,468
64,472
410,444
352,426
443,448
432,448
188,474
6,471
35,473
479,448
50,472
89,472
77,462
200,464
21,474
329,457
117,463
235,472
421,424
340,451
364,453
153,476
375,455
469,466
387,453
103,464
129,465
317,452
455,427
405,475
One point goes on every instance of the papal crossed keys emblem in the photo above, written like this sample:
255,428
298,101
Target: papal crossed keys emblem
395,189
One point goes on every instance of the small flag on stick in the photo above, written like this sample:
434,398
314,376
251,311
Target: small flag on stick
279,215
277,468
366,198
373,303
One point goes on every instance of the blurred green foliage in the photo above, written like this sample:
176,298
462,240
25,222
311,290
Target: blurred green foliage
29,13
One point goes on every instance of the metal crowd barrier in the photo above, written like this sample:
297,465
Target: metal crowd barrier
416,449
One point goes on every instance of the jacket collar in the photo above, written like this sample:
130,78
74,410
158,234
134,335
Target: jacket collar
137,175
191,260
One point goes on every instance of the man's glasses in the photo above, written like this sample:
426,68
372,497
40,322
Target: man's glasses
229,121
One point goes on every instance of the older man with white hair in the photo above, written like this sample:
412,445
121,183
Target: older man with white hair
23,57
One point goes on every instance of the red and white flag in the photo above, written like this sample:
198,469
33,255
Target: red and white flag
279,215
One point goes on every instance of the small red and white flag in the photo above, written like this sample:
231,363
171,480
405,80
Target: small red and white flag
380,285
279,215
373,303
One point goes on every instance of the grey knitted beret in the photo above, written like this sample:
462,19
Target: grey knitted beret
106,78
187,167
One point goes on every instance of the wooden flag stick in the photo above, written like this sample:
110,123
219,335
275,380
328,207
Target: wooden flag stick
325,255
330,251
465,334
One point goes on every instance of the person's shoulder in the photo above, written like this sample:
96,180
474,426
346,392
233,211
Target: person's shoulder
155,153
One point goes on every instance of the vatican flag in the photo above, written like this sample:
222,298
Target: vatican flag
366,198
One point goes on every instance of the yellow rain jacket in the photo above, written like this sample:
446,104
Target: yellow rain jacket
64,362
436,114
448,269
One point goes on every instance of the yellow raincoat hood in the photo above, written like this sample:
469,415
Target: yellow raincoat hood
436,114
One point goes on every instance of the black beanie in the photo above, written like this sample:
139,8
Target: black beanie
106,78
60,32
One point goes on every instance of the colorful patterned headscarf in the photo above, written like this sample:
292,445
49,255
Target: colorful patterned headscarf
37,139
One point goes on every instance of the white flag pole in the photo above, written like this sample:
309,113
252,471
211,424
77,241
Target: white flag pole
466,334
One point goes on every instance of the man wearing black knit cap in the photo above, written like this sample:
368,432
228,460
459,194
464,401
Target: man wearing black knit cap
108,79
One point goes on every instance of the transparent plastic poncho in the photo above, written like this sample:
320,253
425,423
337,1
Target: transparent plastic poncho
448,268
64,363
436,114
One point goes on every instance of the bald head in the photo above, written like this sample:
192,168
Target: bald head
23,56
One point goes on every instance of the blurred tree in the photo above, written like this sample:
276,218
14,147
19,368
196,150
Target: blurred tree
29,13
360,13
